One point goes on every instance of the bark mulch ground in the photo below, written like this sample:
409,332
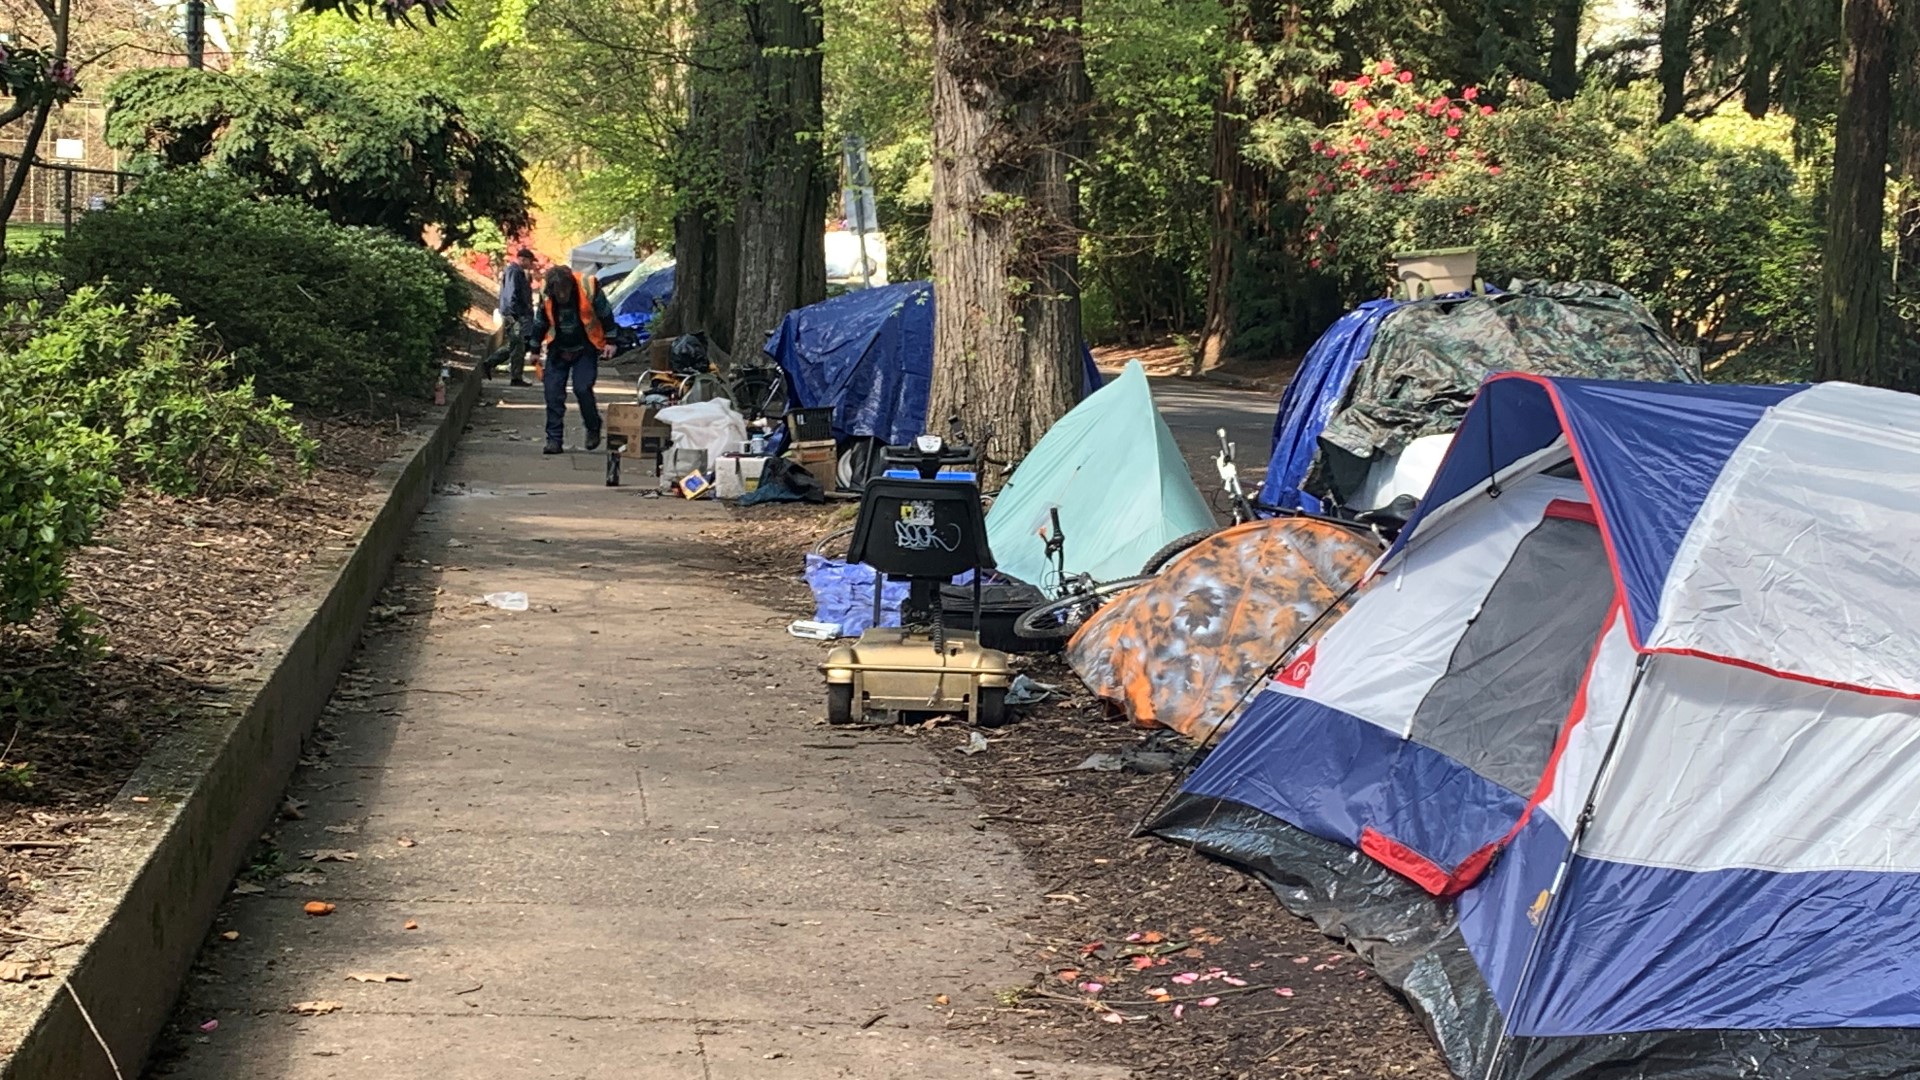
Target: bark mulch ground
175,588
1142,953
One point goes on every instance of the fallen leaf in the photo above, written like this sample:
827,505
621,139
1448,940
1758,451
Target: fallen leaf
15,971
247,888
379,977
1067,975
411,925
304,877
1152,937
405,841
330,855
941,1000
347,829
318,907
231,935
1142,963
1283,991
1092,947
314,1008
291,809
1207,1002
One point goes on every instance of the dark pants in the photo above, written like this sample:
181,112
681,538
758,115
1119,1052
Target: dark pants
584,367
518,331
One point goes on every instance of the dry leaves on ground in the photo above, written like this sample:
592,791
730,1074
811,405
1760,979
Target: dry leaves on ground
314,1008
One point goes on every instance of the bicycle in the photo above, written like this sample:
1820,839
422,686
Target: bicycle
1384,523
1076,596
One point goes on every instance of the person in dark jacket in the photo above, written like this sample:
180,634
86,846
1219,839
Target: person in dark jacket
516,316
572,325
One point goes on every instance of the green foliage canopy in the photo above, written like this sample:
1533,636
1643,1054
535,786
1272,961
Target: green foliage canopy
377,151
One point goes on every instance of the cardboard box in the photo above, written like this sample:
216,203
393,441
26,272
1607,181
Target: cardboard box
818,458
646,437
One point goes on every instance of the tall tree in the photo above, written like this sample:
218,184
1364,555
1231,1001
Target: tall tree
1237,211
1847,336
1009,89
783,198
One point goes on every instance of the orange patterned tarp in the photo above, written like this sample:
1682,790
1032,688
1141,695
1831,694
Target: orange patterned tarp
1180,650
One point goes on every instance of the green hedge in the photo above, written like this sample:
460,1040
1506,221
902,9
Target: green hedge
319,314
94,393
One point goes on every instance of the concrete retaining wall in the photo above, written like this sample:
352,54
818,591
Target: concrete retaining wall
162,864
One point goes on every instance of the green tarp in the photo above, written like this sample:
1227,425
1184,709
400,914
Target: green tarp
1113,471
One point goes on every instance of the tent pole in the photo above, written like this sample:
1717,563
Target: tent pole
1527,968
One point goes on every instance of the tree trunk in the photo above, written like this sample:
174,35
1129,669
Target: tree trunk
1676,56
1223,220
1756,76
1563,51
1239,190
59,22
1007,120
783,204
1847,337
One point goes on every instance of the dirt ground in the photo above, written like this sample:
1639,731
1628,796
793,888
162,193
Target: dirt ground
1142,953
175,588
1173,359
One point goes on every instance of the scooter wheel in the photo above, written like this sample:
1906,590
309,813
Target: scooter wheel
991,709
840,703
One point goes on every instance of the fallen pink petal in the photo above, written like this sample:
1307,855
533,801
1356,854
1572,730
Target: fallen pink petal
1207,1002
211,1025
1231,981
1283,991
1186,978
1113,1018
1301,959
1093,987
1179,1011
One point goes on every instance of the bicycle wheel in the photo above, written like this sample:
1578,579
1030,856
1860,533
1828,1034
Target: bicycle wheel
1060,618
1174,547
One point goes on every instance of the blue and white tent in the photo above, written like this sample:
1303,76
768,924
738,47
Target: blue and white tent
1614,765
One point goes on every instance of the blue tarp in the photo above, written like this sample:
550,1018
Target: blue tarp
1311,398
869,355
636,307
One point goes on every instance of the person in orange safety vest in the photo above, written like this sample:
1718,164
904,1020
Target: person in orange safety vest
572,327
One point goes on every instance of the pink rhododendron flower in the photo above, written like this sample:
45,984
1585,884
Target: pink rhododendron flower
1406,76
1386,67
1470,93
1453,132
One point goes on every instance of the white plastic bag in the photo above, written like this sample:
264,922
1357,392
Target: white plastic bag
506,601
713,426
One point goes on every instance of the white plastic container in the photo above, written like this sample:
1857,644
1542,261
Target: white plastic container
738,474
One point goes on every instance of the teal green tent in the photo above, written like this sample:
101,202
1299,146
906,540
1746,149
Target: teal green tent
1112,470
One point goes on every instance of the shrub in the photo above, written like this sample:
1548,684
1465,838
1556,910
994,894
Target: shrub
142,375
319,314
1705,221
56,481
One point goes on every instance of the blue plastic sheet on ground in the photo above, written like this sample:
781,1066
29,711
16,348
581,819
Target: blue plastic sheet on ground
844,594
869,355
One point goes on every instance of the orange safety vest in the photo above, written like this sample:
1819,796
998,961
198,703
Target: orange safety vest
595,332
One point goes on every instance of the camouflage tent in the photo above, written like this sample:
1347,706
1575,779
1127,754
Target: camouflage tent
1428,360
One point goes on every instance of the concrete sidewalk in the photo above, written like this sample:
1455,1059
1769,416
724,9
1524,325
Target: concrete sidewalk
628,850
